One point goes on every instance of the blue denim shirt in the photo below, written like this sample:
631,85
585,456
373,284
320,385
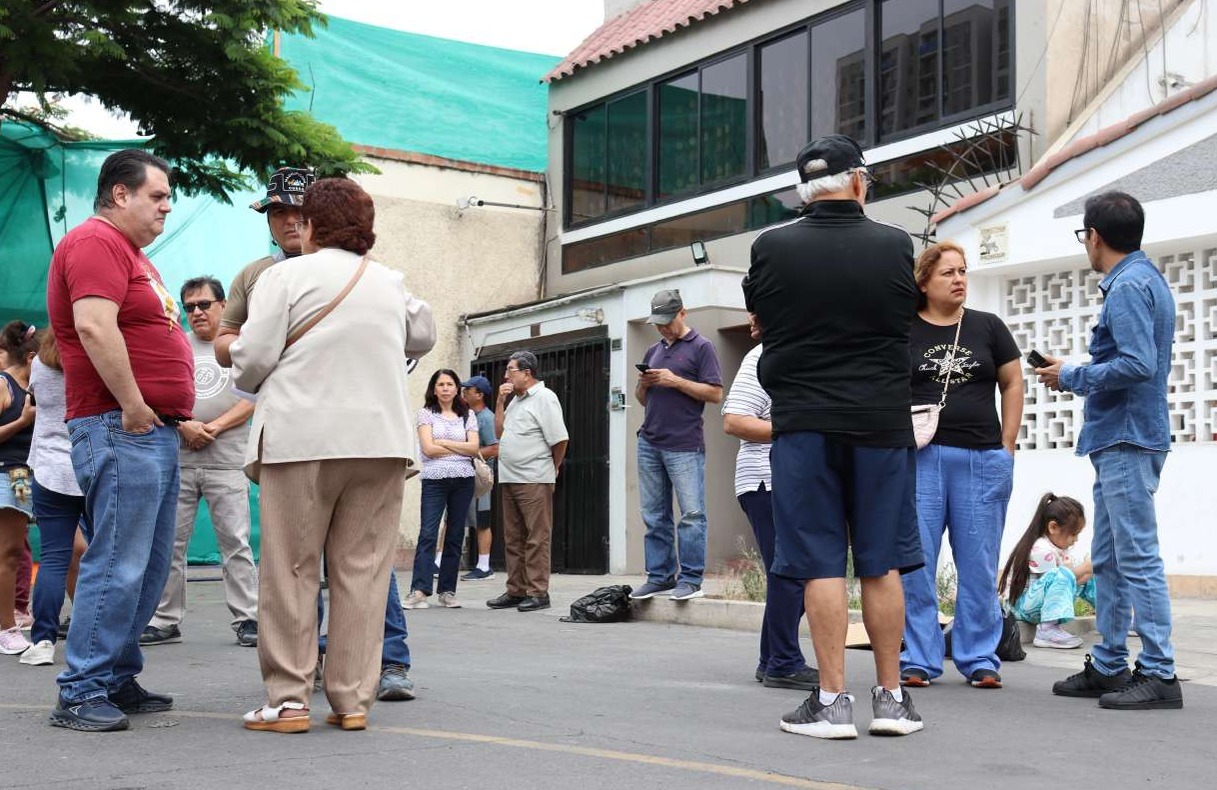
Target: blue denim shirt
1130,360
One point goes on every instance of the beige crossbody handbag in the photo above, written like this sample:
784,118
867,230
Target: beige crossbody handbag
925,418
254,470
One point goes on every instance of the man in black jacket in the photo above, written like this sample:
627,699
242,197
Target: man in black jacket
833,295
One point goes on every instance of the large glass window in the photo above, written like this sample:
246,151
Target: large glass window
875,70
908,64
782,100
702,226
724,119
627,152
838,61
588,148
678,135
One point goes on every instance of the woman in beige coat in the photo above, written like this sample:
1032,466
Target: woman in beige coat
332,446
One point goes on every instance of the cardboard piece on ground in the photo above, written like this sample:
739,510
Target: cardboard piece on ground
856,635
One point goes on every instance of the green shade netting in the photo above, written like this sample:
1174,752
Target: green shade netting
390,89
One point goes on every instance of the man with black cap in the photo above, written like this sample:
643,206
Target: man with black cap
476,391
682,375
284,196
833,296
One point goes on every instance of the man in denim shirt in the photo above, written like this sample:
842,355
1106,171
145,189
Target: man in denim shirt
1127,436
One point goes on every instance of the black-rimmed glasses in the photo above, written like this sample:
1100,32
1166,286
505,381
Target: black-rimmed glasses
1080,234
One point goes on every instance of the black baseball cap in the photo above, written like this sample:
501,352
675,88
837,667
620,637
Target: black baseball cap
827,156
286,187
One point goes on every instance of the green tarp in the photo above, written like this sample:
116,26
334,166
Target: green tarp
408,92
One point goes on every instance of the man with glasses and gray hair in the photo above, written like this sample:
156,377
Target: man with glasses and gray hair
532,444
833,297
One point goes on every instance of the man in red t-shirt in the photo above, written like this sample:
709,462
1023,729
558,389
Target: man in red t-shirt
129,379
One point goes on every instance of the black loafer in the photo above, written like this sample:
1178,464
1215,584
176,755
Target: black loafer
506,601
534,602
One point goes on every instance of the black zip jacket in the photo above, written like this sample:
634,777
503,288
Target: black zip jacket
834,294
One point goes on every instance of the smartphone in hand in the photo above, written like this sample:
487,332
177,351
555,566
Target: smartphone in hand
1036,360
642,367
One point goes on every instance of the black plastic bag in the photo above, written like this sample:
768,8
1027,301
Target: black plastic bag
1009,647
609,604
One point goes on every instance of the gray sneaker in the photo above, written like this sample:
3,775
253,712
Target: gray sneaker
835,721
395,684
651,589
684,591
892,717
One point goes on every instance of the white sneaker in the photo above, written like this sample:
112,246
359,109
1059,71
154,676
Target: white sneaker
417,599
12,641
448,600
1052,635
40,655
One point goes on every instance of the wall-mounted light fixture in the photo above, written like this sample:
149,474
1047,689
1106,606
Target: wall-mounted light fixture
700,256
475,202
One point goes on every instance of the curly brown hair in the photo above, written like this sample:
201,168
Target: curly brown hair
927,261
342,215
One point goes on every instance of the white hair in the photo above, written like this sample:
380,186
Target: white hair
812,189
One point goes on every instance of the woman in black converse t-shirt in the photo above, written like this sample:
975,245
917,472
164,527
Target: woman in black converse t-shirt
965,474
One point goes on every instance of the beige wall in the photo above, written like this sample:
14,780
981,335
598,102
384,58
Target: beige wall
459,262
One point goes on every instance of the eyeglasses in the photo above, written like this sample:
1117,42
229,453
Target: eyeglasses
1080,234
509,371
202,304
867,175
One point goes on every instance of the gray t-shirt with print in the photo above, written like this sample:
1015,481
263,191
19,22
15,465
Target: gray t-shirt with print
213,395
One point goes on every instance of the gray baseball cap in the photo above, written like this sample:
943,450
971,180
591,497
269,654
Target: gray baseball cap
664,306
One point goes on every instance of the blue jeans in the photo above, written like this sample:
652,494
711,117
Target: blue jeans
454,495
780,653
58,516
965,491
1128,570
659,473
130,483
395,649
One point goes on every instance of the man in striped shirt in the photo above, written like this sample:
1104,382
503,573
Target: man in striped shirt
746,416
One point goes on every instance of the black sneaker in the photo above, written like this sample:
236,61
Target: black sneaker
160,636
1090,682
835,721
131,697
477,575
247,633
1145,692
533,602
506,601
805,679
96,714
892,717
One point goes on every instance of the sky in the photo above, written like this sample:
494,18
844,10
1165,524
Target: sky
550,27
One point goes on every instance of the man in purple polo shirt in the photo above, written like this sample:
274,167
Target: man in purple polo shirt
682,376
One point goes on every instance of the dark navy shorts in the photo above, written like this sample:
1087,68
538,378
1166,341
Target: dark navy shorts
830,496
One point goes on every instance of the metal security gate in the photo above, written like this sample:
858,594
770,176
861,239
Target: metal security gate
576,369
